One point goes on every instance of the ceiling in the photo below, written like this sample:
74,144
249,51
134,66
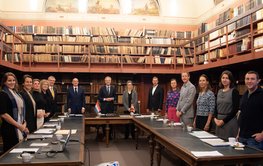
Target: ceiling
188,10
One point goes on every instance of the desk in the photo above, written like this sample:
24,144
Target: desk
73,155
181,143
107,121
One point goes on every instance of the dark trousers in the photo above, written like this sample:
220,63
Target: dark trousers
201,122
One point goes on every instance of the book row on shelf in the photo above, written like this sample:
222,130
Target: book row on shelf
93,31
102,49
126,59
236,48
258,43
95,39
229,14
221,33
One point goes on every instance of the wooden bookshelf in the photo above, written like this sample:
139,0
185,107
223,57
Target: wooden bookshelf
61,48
78,49
104,50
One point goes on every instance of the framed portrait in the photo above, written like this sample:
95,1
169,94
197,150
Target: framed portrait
61,6
145,7
104,6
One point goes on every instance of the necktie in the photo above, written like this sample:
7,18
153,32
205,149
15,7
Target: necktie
75,90
108,89
52,92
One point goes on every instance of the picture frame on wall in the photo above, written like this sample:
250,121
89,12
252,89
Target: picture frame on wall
61,6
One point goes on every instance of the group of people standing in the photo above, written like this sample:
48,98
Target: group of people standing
23,112
200,107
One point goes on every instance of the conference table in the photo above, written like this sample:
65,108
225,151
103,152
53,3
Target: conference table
181,144
176,140
73,155
107,121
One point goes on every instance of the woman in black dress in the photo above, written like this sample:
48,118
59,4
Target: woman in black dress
30,103
40,102
44,84
12,112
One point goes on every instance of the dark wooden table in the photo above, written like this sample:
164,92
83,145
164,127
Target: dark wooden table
181,143
108,121
73,155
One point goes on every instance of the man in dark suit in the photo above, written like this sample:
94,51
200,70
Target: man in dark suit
76,98
155,97
52,92
107,96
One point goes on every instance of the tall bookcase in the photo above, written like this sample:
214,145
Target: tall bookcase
136,51
142,51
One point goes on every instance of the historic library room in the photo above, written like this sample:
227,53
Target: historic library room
131,82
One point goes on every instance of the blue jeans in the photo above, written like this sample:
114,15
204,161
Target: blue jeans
251,142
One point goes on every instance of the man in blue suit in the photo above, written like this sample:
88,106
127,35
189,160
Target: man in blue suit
76,98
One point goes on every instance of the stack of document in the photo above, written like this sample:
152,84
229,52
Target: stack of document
45,131
206,153
66,132
215,142
202,134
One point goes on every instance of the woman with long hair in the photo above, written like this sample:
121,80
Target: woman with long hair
227,105
12,111
30,103
205,104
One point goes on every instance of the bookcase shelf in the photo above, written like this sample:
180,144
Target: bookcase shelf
100,49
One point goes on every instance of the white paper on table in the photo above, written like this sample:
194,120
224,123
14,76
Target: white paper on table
206,153
202,134
20,150
39,144
45,131
144,116
215,142
47,136
177,124
49,125
65,132
54,120
159,119
125,116
62,116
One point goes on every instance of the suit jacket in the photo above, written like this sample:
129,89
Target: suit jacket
75,101
155,100
185,103
134,100
31,115
54,106
107,106
39,99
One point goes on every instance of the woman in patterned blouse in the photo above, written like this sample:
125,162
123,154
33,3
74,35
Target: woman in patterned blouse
171,102
205,104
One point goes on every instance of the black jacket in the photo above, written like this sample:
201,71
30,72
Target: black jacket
155,101
30,112
107,106
75,100
250,118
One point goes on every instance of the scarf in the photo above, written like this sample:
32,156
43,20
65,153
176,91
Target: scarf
14,105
